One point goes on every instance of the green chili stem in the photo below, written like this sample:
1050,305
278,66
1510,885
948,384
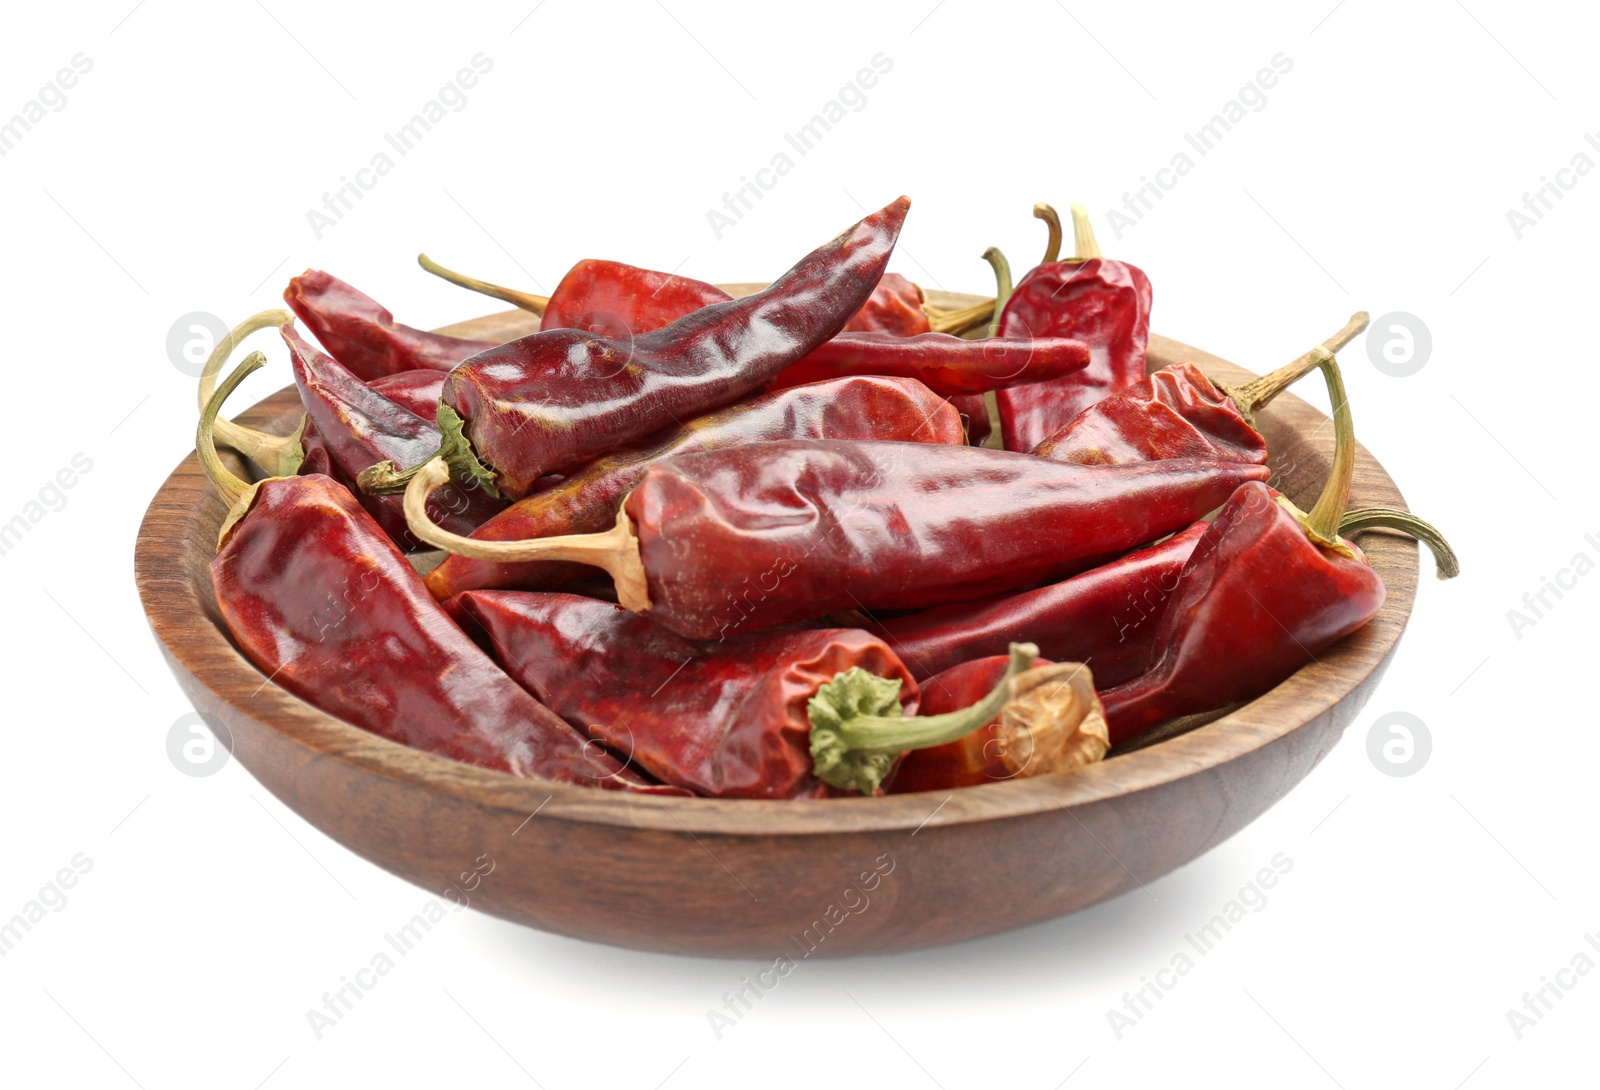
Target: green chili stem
1052,220
532,303
957,322
277,455
388,479
1002,282
1083,240
1322,522
1256,394
1389,518
888,734
222,479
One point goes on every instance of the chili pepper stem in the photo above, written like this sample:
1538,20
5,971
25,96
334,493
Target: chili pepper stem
1321,523
857,735
236,492
1256,394
455,450
1389,518
957,322
615,551
1052,220
532,303
1084,244
1002,279
277,455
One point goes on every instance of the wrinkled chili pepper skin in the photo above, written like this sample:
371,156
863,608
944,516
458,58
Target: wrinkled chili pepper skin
556,399
968,761
415,390
1105,304
1256,601
726,720
866,407
357,426
1176,412
1106,618
947,365
320,600
895,308
615,300
364,336
772,533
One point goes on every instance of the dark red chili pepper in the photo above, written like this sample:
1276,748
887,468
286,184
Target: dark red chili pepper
364,336
1177,412
770,533
415,390
1052,722
556,399
1105,617
320,600
744,718
357,426
895,307
946,364
975,407
1267,589
1102,302
865,407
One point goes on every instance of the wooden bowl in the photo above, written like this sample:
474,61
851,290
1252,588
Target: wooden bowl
771,879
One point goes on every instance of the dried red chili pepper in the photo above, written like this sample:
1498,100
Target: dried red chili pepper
364,336
946,364
896,307
1052,722
556,399
1105,617
1102,302
415,390
1267,589
850,408
769,715
320,600
771,533
358,425
1177,412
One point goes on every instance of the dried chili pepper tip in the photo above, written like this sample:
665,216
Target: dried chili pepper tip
858,731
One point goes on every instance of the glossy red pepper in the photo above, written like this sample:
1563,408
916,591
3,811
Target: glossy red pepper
1266,590
357,425
1178,412
587,502
1105,617
947,365
1104,303
415,390
895,307
556,399
364,336
1052,722
770,715
771,533
324,605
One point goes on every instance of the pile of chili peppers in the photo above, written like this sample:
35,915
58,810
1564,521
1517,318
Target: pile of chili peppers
677,542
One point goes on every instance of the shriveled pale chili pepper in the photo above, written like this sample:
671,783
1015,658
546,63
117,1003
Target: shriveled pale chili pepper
865,407
946,364
769,715
556,399
1051,722
770,533
1177,412
1105,617
325,606
1102,302
1266,590
364,336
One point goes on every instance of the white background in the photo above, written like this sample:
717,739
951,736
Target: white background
1378,176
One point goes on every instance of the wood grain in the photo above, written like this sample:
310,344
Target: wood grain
764,879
